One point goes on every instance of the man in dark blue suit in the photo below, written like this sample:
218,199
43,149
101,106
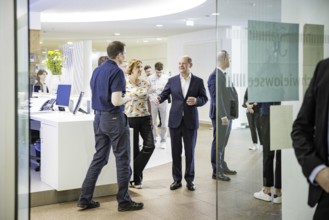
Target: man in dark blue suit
188,93
227,102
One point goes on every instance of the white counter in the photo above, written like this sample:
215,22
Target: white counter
67,148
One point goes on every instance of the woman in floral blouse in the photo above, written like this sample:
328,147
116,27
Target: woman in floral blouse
138,111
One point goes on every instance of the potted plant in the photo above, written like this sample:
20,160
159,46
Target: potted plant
54,62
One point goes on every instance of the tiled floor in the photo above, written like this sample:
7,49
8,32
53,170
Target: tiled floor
234,199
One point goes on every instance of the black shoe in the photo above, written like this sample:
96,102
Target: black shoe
175,185
229,172
190,186
133,206
37,169
222,177
90,205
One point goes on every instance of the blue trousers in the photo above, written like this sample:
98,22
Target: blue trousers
111,130
189,137
223,136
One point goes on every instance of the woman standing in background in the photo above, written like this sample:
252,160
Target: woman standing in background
40,85
253,116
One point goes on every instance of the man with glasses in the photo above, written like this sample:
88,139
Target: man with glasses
188,93
227,102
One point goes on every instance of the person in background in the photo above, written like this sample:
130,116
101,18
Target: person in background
147,70
310,139
158,81
253,121
40,85
123,67
271,177
102,59
187,92
138,111
111,130
227,102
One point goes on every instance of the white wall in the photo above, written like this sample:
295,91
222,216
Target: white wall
7,111
149,54
294,185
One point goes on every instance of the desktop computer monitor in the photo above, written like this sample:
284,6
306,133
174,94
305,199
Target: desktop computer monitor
77,106
63,96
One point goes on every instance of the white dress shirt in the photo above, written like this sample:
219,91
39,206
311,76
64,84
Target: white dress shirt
185,83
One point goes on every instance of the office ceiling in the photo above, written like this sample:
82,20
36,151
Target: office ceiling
142,30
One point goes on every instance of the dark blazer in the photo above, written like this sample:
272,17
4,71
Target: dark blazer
227,97
37,87
179,106
310,129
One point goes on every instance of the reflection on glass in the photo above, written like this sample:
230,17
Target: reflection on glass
272,61
22,127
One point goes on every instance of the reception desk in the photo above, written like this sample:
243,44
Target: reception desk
67,148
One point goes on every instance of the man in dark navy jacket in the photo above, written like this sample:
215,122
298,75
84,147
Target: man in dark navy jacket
111,130
310,140
227,102
187,92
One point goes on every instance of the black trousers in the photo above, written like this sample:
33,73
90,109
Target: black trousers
142,126
254,126
322,209
271,177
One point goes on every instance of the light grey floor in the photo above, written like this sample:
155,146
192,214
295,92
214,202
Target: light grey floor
235,198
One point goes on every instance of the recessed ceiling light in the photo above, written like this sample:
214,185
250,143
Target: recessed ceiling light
41,42
189,23
215,14
69,42
116,34
135,11
159,38
159,25
145,41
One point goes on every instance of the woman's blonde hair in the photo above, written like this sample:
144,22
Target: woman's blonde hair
131,65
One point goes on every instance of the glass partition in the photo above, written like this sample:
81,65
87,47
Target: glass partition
22,119
274,47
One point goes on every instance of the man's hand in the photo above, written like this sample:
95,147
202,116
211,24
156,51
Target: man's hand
191,101
157,100
249,108
224,121
323,179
